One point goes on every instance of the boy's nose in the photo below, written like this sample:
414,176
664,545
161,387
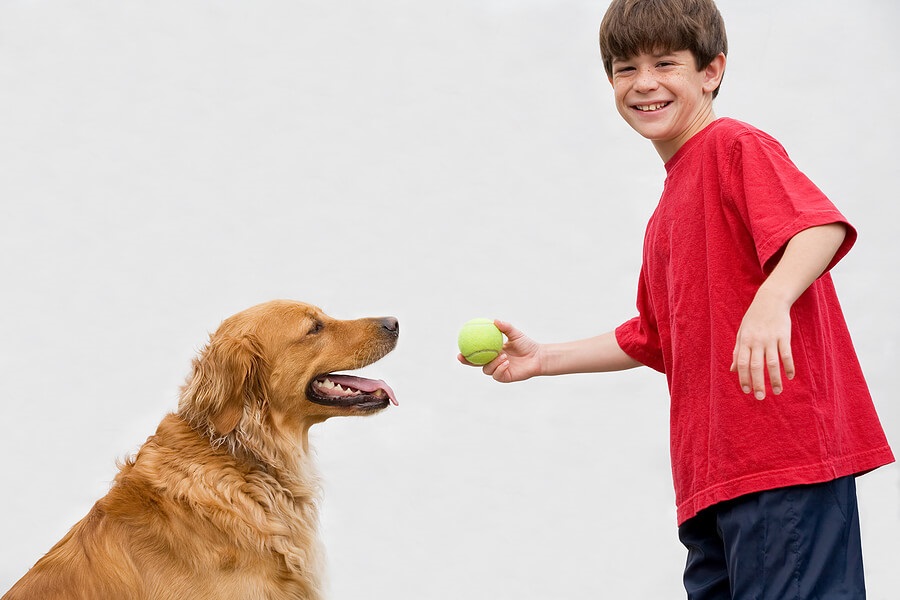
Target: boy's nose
645,81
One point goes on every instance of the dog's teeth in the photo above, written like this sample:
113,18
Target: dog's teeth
339,389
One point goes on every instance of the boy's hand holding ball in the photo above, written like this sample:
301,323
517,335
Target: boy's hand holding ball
480,341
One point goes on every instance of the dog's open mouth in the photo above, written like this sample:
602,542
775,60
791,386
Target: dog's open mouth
348,391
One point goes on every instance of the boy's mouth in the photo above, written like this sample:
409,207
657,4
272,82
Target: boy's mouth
651,107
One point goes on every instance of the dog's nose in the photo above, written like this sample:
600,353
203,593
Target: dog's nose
391,324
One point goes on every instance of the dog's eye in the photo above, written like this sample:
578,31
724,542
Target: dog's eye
316,328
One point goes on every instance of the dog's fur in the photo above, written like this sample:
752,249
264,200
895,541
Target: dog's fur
220,503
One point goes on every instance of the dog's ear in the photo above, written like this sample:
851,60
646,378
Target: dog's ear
229,374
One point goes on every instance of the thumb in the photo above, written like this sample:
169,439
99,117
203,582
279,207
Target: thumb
507,329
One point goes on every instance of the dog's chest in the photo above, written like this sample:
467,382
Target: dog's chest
246,584
286,527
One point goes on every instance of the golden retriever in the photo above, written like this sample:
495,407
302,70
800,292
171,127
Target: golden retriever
221,503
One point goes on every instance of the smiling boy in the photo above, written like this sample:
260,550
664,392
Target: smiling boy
770,416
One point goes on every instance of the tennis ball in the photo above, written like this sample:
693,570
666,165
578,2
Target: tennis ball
480,341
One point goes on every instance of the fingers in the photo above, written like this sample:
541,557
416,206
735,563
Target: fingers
744,365
787,361
498,369
773,366
754,364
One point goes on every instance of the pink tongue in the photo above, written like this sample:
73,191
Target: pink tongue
365,385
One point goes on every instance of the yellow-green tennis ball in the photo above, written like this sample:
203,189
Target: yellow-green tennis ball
480,341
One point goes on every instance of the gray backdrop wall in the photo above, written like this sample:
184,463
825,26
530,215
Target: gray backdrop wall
165,164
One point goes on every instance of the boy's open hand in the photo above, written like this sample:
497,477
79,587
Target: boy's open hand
763,346
518,360
764,338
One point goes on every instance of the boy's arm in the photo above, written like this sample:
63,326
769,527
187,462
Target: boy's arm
763,342
522,358
598,354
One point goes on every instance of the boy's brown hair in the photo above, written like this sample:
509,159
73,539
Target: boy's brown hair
631,27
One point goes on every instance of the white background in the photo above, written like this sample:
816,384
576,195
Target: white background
165,164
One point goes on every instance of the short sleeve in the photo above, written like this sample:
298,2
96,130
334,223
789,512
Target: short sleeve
775,199
639,337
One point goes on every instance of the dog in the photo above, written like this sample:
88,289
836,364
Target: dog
221,503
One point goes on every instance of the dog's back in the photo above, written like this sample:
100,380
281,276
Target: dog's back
72,568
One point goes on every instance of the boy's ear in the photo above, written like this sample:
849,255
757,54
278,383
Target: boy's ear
713,73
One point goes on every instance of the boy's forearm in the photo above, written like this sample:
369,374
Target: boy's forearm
805,258
593,355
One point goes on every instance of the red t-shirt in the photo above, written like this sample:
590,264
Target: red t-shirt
732,200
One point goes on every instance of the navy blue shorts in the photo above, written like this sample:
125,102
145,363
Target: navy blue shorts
794,543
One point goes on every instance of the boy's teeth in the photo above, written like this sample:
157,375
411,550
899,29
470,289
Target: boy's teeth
651,107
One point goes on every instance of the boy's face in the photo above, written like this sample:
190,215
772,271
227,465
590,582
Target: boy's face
664,97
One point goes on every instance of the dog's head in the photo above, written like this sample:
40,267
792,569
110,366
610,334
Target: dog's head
273,366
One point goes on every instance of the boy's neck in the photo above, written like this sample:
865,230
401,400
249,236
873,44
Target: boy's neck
668,148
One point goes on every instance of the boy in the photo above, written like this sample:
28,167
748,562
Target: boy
771,418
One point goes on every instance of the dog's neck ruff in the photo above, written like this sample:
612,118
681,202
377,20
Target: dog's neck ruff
273,508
